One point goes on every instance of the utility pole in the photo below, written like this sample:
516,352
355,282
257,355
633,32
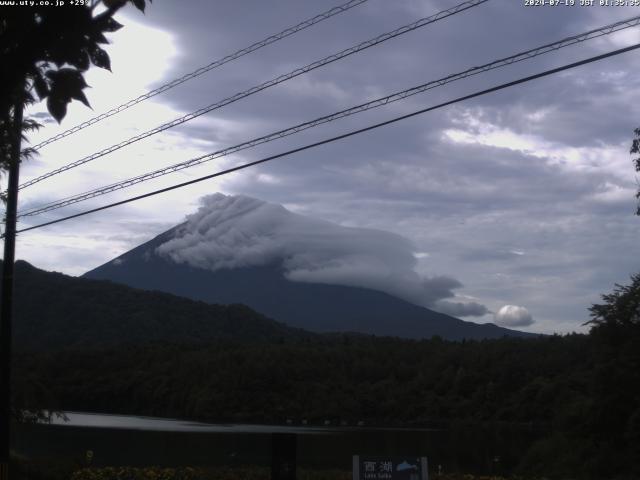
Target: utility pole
6,307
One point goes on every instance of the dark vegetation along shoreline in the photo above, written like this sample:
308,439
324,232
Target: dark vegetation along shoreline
562,386
581,393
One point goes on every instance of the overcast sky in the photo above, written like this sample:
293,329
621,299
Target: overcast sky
524,197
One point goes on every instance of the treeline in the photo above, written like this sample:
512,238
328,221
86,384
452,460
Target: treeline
230,364
56,311
381,380
576,390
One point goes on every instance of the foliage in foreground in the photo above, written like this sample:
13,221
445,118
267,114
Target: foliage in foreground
584,390
236,473
548,382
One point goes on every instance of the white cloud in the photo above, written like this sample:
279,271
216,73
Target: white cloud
230,232
476,130
513,316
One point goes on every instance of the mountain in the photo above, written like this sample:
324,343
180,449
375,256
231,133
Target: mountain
53,311
199,260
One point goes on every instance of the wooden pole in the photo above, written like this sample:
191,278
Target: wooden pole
6,307
283,456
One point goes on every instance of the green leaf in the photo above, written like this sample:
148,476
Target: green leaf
71,79
112,25
106,23
139,4
99,57
81,62
66,84
79,95
99,37
57,107
114,5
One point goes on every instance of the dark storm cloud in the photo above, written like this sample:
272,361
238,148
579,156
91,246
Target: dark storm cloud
419,56
458,309
531,170
215,29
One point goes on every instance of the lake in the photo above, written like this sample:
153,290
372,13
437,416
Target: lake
141,441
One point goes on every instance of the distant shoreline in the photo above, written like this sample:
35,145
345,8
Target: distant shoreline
151,423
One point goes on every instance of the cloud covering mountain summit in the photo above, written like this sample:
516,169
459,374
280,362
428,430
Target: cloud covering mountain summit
230,232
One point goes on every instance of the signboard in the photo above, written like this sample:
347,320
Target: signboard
283,456
390,468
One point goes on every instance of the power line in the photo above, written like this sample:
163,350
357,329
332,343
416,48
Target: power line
215,64
258,88
528,54
353,110
343,136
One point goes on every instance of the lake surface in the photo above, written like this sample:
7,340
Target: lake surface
80,419
142,441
